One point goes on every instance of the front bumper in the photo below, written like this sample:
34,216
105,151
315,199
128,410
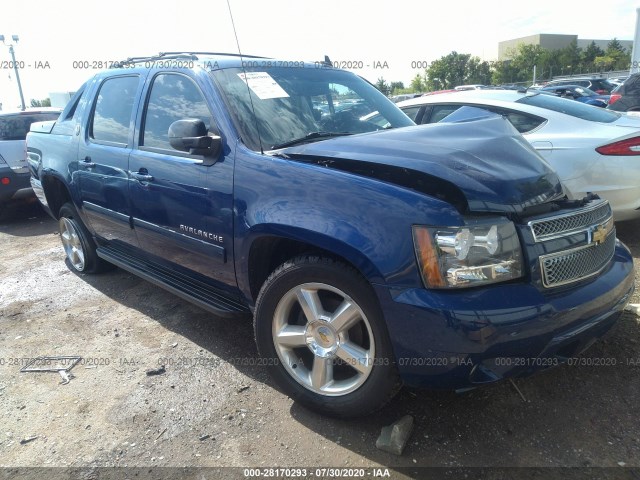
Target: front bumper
461,339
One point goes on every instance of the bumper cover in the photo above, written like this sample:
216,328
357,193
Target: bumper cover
18,186
462,339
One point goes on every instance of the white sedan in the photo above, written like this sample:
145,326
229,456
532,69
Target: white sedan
591,149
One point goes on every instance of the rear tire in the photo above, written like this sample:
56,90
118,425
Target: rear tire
321,334
78,244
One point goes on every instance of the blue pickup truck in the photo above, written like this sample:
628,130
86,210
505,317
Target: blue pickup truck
370,253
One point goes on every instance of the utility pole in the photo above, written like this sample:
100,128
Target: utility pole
15,67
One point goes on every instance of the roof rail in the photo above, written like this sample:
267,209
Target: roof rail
175,55
213,53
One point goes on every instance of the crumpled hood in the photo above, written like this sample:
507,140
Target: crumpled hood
486,158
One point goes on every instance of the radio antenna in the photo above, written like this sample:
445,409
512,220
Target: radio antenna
246,79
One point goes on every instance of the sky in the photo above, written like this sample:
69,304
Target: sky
56,39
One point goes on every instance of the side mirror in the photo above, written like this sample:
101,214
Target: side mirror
190,135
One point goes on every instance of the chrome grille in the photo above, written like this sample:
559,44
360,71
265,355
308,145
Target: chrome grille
578,263
561,225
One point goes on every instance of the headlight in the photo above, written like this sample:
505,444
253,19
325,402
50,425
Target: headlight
477,253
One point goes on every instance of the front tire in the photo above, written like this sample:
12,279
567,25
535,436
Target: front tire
78,244
321,333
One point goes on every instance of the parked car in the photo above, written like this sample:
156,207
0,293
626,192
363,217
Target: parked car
592,149
626,98
581,94
512,86
442,256
436,92
617,81
601,86
14,174
470,87
404,96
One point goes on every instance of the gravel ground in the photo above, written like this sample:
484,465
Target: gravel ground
215,406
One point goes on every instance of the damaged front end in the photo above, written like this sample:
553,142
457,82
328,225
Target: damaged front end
528,280
482,165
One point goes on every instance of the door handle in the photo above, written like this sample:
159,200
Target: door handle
142,176
87,163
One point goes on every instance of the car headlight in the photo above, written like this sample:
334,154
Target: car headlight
477,253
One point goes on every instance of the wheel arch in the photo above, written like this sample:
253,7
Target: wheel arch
56,192
267,250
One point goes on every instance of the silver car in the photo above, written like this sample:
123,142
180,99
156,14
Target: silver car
14,174
592,149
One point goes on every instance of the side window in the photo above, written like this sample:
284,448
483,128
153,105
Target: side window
113,109
411,112
524,123
173,97
439,112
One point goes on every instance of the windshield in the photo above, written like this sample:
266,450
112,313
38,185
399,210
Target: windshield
298,105
570,107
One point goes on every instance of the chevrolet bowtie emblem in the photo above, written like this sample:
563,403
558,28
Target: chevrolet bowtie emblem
599,234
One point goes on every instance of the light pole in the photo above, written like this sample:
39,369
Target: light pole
635,50
15,66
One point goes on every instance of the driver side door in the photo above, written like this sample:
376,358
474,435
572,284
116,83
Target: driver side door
181,204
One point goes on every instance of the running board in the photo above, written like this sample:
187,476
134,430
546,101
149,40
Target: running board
190,289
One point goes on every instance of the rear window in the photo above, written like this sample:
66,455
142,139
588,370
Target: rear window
570,107
16,127
602,84
631,85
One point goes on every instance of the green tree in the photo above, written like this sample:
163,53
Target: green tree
478,72
568,57
504,71
449,71
396,87
41,103
457,69
589,56
615,45
604,63
383,86
418,84
620,57
527,57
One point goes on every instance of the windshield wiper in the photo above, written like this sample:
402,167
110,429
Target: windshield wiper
309,137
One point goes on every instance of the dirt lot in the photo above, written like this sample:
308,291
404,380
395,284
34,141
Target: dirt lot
215,407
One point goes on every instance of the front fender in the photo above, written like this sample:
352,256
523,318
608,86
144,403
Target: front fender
362,219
